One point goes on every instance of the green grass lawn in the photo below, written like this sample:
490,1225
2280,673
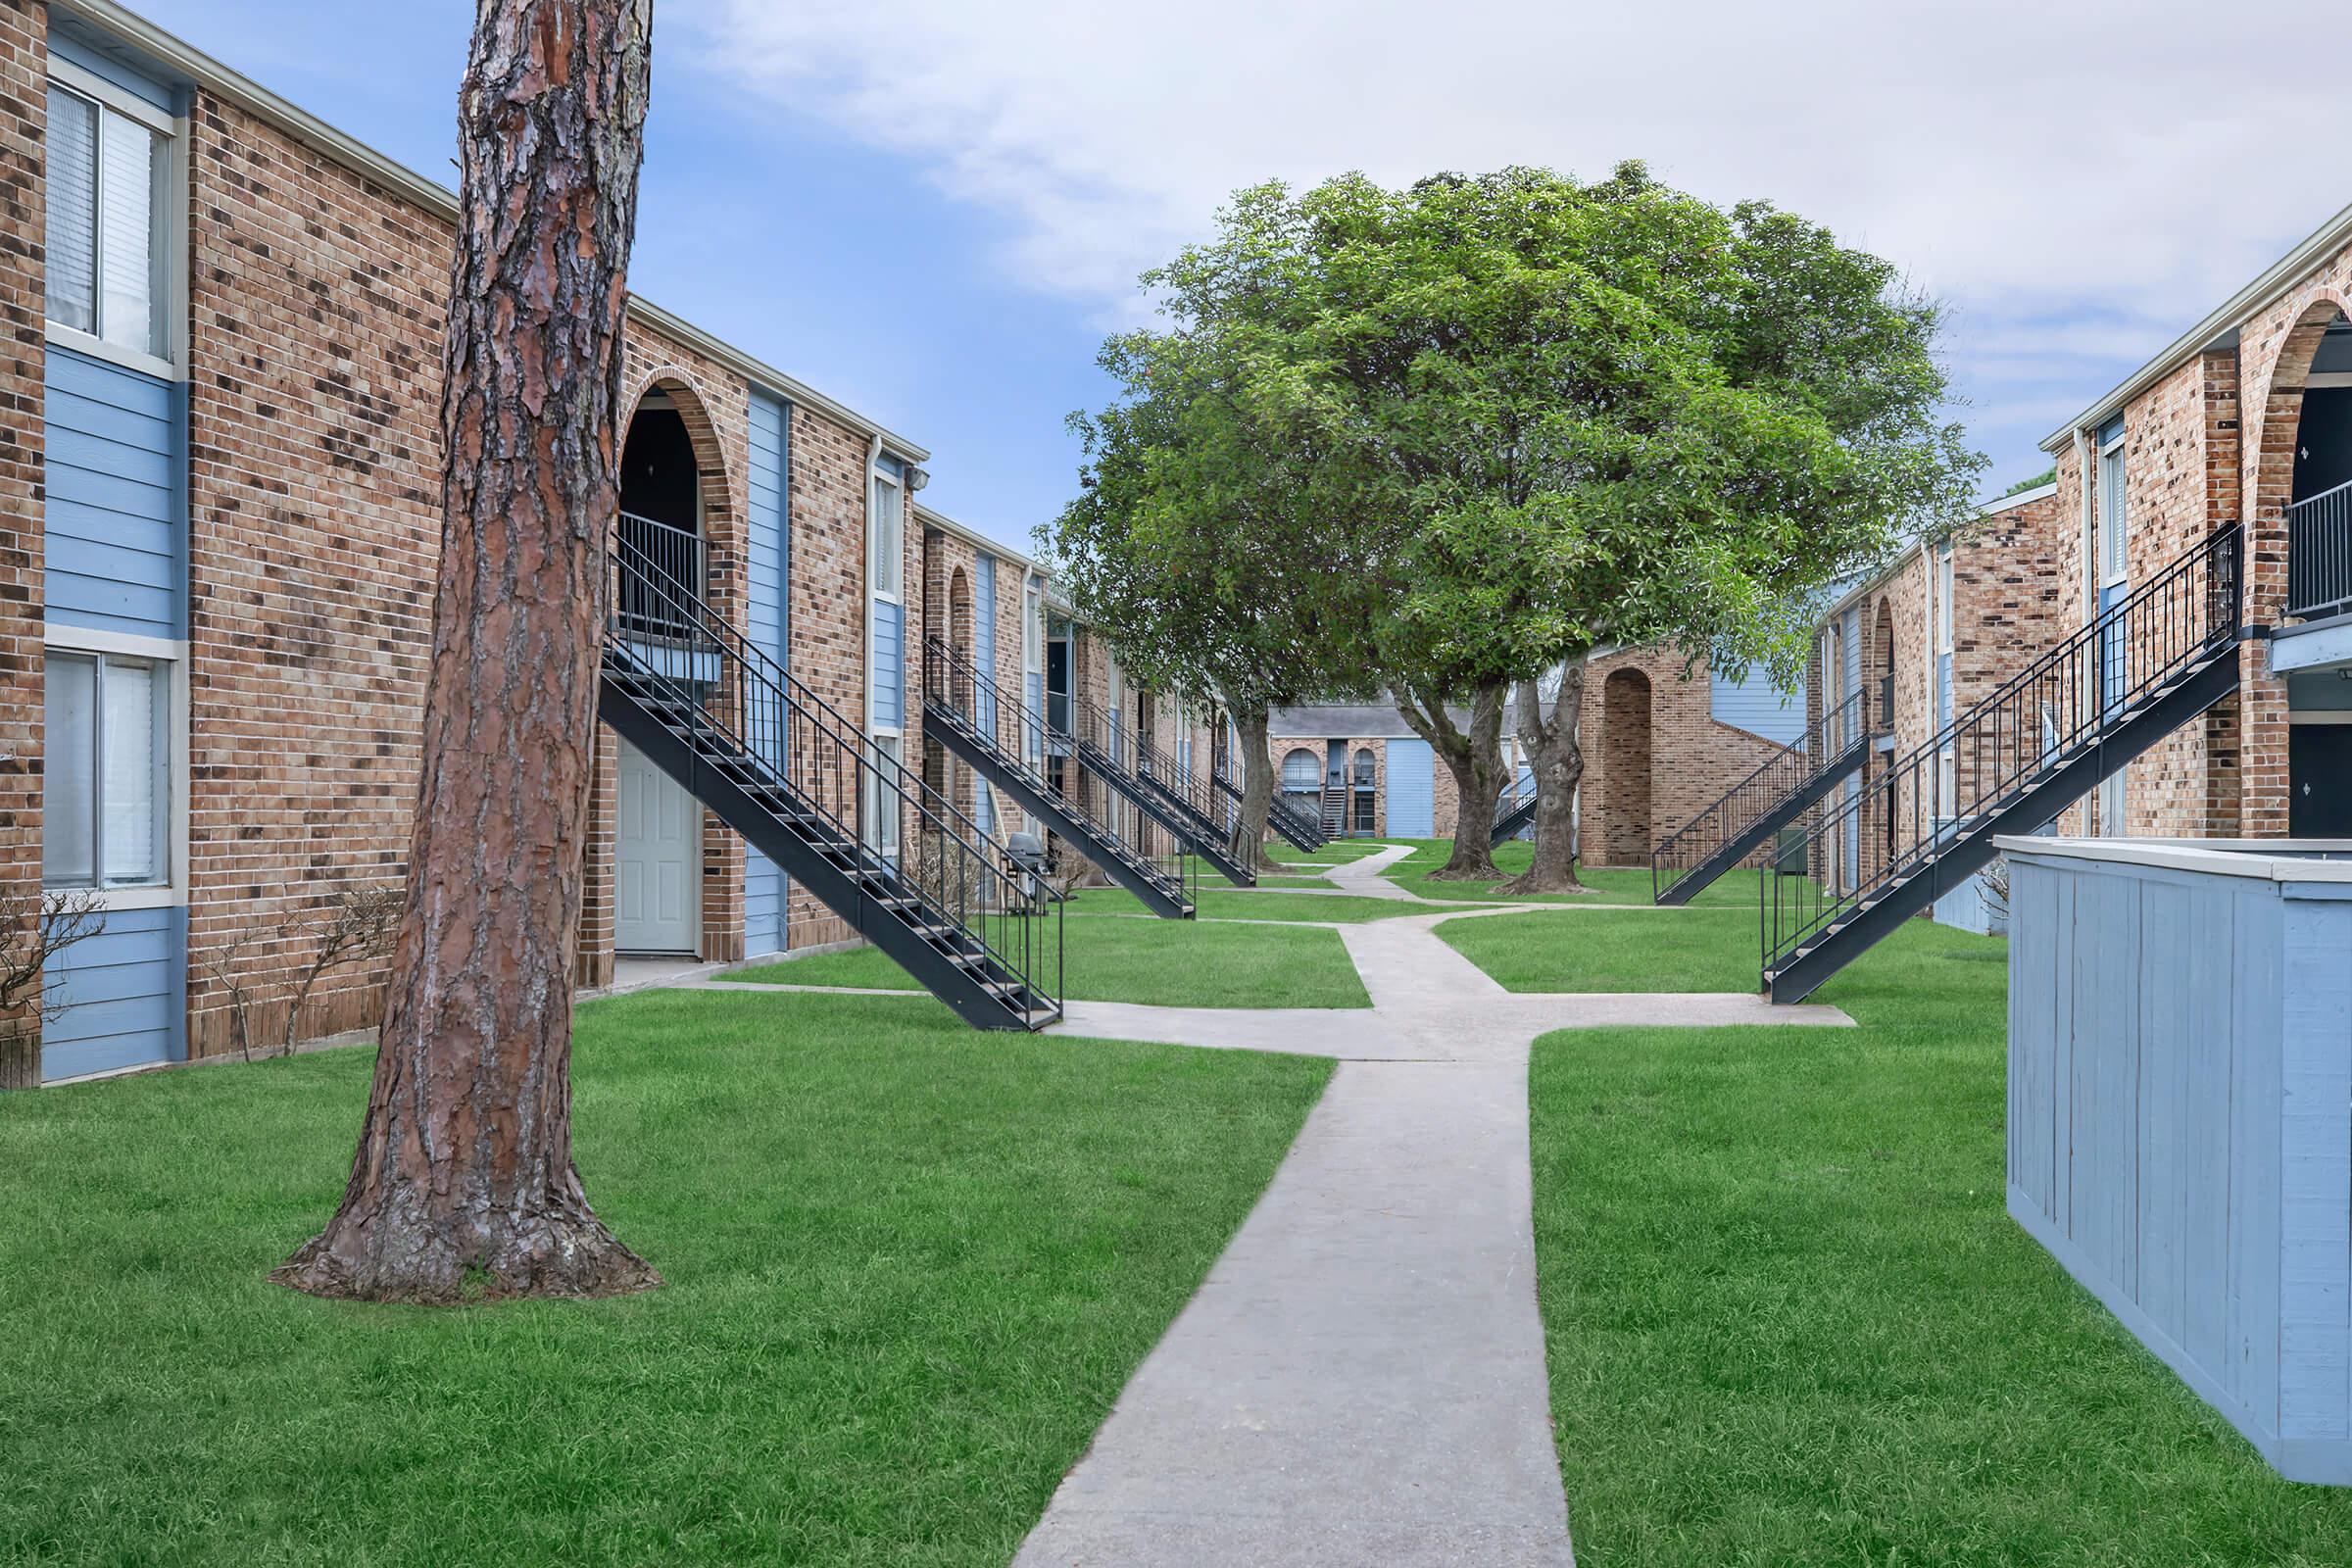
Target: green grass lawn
1612,950
1338,852
1610,884
1234,904
1169,964
1790,1322
911,1266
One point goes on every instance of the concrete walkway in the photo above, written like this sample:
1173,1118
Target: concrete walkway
1360,1379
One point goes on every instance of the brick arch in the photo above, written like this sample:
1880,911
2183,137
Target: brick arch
2274,457
2262,782
724,587
1624,768
721,515
959,613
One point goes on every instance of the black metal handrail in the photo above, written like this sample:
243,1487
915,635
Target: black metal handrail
1902,816
832,772
1795,765
1283,816
2318,554
1129,749
956,683
669,555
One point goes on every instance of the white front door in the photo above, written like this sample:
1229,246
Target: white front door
659,832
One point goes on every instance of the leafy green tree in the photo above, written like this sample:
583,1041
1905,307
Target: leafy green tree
1195,550
1558,417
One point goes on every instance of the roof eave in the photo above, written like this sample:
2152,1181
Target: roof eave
2216,330
235,87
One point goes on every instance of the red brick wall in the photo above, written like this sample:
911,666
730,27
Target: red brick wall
315,316
1656,757
24,122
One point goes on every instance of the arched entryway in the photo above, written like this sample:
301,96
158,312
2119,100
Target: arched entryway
2302,512
1303,780
674,872
1624,768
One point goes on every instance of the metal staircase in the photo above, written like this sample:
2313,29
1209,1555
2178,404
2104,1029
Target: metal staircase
1512,819
1180,799
1751,812
1007,741
1297,828
1921,827
1335,810
811,792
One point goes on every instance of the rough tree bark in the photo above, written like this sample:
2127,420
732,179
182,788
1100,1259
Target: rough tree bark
1248,844
1474,757
1557,750
463,1188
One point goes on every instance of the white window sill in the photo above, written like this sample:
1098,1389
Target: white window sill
117,899
98,348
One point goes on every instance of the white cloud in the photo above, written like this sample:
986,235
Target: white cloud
2142,157
2115,167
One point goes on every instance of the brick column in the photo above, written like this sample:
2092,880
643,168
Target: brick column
23,123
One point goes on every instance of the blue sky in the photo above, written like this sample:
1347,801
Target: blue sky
933,210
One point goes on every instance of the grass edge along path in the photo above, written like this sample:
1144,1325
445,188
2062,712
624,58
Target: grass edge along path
1788,1319
910,1267
1165,964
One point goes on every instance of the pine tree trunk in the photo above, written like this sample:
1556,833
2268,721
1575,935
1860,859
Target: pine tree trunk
1249,845
1558,758
463,1188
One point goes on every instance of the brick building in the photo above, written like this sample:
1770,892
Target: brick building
1663,736
1927,637
2246,417
222,455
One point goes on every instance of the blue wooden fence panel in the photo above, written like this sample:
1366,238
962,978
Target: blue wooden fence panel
2180,1126
765,890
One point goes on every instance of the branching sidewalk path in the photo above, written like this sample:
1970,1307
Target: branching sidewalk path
1360,1378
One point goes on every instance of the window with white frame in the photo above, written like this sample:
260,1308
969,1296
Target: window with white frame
2111,573
886,540
1947,762
105,794
883,782
2112,564
108,223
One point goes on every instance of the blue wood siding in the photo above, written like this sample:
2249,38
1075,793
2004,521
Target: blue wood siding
1412,789
125,994
768,556
984,636
984,656
2179,1137
117,497
889,664
1745,698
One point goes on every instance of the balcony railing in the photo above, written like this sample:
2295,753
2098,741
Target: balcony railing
669,569
2319,554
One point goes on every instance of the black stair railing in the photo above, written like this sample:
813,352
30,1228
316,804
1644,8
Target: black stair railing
1298,828
1826,743
1859,845
1016,733
914,854
1186,799
2318,554
673,560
